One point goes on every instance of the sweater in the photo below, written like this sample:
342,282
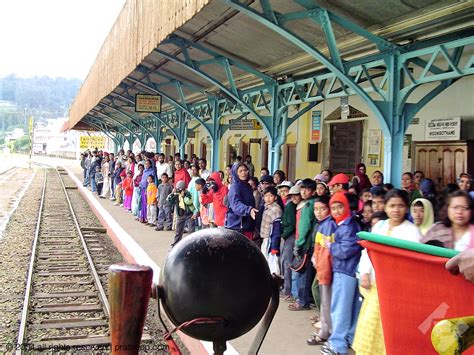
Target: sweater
306,225
288,221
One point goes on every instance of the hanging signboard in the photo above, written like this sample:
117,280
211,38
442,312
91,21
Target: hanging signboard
315,126
147,103
242,125
443,129
92,142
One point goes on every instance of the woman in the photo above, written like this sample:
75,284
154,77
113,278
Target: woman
180,173
106,175
409,186
368,336
456,231
377,181
136,197
143,185
216,195
364,182
241,213
278,177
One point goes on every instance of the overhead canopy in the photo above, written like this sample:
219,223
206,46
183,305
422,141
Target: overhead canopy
153,45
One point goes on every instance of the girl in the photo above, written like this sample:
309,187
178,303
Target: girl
128,187
421,211
322,262
369,337
143,185
136,197
366,215
322,189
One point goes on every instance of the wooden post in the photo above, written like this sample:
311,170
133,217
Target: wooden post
129,294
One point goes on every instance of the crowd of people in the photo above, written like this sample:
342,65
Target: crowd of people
307,229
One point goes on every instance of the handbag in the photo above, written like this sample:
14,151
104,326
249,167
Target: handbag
299,262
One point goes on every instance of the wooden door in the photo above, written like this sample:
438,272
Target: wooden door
265,154
244,149
203,150
345,150
290,161
442,162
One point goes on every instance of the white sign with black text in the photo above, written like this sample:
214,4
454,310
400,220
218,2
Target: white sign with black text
443,129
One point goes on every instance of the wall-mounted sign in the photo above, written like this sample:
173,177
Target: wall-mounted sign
92,142
243,125
315,126
443,129
147,103
373,152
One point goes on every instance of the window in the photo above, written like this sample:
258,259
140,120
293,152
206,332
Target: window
313,150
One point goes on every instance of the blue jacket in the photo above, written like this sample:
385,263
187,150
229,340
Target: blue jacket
241,202
345,250
275,235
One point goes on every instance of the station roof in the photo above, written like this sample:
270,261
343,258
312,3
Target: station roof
148,34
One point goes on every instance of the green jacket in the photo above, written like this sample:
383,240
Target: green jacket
305,226
173,199
288,220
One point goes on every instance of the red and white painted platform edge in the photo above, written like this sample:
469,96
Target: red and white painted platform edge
133,253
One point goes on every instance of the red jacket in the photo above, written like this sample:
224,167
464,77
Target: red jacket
217,199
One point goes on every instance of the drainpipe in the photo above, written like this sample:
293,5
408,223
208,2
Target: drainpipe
276,149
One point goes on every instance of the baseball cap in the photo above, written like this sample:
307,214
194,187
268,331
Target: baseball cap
181,185
295,190
339,179
285,183
267,178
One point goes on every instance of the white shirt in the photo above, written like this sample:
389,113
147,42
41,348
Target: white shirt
205,174
405,231
163,168
463,242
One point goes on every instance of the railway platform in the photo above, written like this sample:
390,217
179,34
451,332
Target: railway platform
142,244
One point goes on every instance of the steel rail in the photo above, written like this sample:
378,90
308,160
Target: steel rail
29,280
95,275
26,303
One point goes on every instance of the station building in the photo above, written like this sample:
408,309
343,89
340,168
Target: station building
298,85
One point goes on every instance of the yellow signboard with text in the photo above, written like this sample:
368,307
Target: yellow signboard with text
92,142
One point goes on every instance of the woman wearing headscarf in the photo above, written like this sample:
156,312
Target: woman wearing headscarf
421,210
241,213
364,181
215,192
180,173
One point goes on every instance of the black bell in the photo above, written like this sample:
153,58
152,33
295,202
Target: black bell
216,273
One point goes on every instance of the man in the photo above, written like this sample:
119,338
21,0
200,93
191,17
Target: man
203,172
250,166
463,263
339,183
464,183
162,167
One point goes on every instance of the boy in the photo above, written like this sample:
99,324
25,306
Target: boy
378,200
346,253
99,180
283,190
203,221
164,208
151,193
270,230
288,223
184,208
305,242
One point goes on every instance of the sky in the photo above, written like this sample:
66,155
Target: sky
53,37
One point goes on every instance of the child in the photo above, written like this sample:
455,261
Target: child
283,190
376,217
288,224
151,193
270,229
322,262
366,215
378,200
423,216
164,208
128,186
99,180
345,252
184,208
203,220
369,336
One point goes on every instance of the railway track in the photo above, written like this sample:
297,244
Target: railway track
65,305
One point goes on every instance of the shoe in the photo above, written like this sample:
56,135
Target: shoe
116,204
297,307
121,205
159,229
325,349
289,298
314,339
